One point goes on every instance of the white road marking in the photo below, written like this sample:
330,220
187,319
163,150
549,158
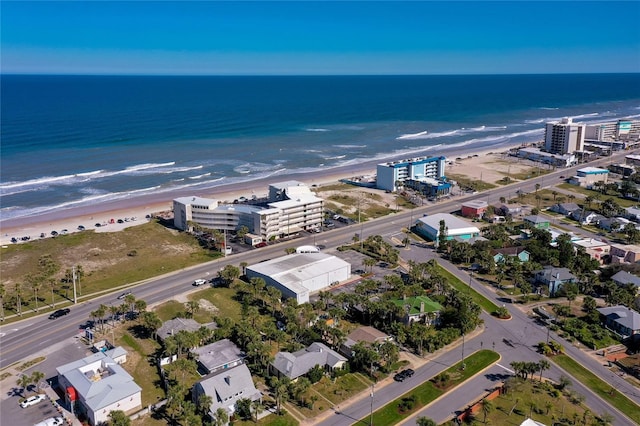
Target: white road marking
509,370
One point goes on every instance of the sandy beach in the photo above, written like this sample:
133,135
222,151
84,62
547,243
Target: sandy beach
472,164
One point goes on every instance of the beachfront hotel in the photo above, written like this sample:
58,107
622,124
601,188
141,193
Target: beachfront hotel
417,169
564,137
291,207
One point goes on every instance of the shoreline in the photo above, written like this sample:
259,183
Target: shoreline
140,207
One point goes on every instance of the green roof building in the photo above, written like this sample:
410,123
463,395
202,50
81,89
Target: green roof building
419,308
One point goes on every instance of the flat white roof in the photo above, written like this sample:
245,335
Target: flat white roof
591,243
196,200
593,170
454,224
475,204
295,268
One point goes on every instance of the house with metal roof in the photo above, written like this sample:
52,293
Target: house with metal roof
171,327
226,387
419,309
537,221
296,364
564,208
429,227
622,320
300,274
518,252
97,385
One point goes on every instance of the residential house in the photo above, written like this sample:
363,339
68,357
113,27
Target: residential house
632,213
564,208
596,249
171,327
500,255
507,210
622,320
217,356
624,278
474,208
625,253
554,278
226,387
586,217
419,309
366,334
613,223
294,365
97,385
471,240
537,221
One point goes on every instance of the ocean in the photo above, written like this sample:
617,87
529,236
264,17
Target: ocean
73,141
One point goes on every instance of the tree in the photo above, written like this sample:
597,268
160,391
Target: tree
151,322
257,408
487,408
119,418
543,365
425,421
220,417
192,307
442,236
204,403
24,381
229,274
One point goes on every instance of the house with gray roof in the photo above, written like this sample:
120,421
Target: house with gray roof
97,385
564,208
537,221
554,278
622,320
622,278
226,387
294,365
218,356
171,327
366,334
632,213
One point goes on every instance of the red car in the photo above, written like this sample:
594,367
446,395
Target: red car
262,244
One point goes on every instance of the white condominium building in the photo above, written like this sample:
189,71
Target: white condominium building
564,137
292,208
388,174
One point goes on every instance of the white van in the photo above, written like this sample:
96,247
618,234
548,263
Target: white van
199,282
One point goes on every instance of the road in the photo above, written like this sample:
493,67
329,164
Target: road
24,339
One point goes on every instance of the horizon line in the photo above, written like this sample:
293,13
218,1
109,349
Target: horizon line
304,75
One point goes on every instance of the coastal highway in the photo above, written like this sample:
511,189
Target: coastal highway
23,339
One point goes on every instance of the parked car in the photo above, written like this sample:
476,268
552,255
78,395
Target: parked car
51,421
199,282
262,244
81,228
123,295
32,400
59,313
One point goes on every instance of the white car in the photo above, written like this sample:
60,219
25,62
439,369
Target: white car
32,400
52,421
199,282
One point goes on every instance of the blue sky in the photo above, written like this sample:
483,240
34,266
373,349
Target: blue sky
257,38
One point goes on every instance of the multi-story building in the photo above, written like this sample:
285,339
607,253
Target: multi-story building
613,131
292,208
564,137
393,172
208,213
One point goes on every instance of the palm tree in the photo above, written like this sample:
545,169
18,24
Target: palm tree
113,310
543,365
487,408
221,417
257,408
36,377
204,403
130,300
24,381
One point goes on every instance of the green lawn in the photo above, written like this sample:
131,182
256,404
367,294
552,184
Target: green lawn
484,303
589,192
270,420
223,299
427,392
604,390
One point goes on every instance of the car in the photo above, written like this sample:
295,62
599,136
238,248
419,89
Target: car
81,228
123,295
54,233
562,177
33,400
64,231
199,282
262,244
120,221
97,225
51,421
399,377
59,313
409,372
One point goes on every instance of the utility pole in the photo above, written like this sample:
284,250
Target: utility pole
73,273
371,412
463,366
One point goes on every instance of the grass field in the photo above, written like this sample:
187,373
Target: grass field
486,304
427,392
603,389
110,260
